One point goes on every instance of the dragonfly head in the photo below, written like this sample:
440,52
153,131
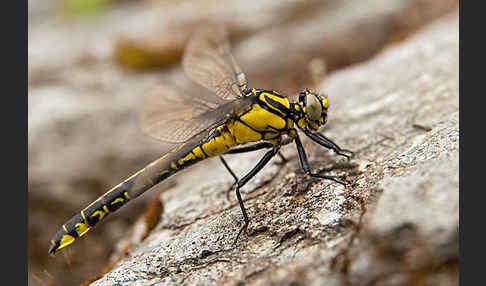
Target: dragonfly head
314,109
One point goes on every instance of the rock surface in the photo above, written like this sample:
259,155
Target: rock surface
396,224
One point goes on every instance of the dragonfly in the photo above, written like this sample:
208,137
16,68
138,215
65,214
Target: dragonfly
225,117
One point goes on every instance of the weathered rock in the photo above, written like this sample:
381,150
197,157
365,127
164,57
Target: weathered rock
396,224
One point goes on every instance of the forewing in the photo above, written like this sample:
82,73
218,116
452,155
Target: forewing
171,115
208,61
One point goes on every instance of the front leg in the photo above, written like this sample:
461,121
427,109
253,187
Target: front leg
305,163
325,142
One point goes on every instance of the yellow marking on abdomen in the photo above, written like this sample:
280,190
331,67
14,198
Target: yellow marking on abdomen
117,200
115,187
219,144
84,217
188,157
82,228
199,152
66,240
101,214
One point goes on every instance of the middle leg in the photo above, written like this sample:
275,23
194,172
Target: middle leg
232,174
263,161
251,148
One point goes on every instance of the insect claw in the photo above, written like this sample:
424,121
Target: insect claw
331,178
243,228
345,183
340,152
335,180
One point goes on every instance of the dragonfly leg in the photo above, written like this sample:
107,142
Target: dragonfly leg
244,149
283,160
258,146
232,174
250,148
325,142
305,164
263,161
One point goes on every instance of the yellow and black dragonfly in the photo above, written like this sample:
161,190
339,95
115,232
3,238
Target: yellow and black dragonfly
211,124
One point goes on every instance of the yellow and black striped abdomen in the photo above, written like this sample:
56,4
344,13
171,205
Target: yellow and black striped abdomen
100,208
189,153
216,143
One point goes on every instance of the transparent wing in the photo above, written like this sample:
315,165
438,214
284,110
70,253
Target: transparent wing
171,115
208,61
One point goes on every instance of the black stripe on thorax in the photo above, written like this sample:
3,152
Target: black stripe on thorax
277,105
246,124
264,105
262,133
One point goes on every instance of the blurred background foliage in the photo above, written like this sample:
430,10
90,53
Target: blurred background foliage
79,8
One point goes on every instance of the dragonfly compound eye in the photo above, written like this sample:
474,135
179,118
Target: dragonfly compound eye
313,107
